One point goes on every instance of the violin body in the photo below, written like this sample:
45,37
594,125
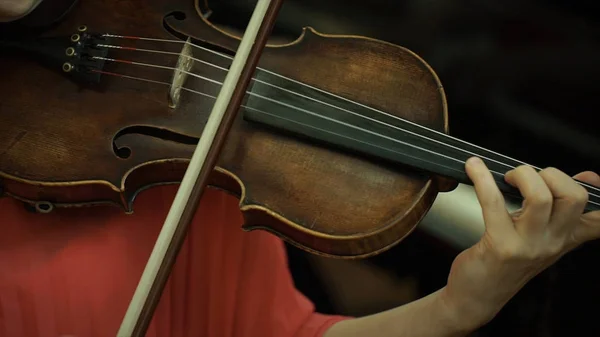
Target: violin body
64,144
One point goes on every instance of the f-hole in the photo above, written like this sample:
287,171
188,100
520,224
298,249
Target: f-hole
124,152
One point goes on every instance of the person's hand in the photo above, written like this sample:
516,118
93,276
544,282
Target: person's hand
517,247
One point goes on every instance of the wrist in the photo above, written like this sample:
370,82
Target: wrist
461,316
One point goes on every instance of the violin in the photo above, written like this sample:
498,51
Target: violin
337,144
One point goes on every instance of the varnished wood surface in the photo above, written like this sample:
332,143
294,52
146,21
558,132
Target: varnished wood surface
56,139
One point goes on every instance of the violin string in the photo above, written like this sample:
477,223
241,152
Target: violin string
283,89
316,128
303,110
325,92
307,125
298,94
444,135
293,107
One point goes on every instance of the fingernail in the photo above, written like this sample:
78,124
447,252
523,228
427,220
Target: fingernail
474,161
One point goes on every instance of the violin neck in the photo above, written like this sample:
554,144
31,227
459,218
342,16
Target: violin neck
324,118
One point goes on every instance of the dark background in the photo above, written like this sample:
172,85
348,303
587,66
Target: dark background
520,77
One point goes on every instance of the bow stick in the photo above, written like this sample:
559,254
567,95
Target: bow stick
158,268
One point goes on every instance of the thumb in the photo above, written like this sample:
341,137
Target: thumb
589,229
588,177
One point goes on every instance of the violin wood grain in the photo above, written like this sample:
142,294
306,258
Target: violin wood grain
59,141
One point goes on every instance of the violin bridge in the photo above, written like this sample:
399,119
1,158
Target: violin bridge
185,62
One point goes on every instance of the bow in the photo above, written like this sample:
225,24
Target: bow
167,246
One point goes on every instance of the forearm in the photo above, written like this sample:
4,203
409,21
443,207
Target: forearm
428,316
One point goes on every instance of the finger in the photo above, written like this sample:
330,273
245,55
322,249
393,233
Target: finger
570,198
589,177
496,217
588,229
537,204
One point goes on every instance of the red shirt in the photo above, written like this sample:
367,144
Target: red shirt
73,272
